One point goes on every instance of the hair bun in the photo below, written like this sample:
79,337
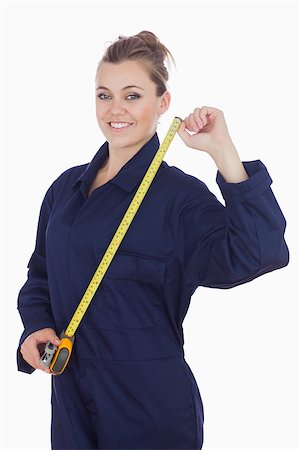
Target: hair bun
150,40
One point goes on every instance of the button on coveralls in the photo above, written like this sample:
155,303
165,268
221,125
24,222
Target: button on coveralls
127,384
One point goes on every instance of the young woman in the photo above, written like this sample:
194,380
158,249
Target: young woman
127,384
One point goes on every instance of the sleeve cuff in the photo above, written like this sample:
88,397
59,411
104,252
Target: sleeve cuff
23,366
259,180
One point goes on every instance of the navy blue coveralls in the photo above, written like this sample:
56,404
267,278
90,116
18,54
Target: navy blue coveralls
127,384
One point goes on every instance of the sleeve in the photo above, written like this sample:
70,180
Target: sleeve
33,300
223,246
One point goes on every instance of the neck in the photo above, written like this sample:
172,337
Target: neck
119,156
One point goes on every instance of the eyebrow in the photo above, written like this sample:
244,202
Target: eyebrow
123,89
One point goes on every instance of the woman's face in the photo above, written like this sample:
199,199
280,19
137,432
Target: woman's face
127,106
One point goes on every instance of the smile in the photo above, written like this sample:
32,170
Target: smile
120,124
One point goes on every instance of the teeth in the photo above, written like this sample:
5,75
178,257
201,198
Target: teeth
119,124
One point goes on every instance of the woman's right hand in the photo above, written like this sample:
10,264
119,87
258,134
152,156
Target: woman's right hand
35,343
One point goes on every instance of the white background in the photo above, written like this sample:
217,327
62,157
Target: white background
241,344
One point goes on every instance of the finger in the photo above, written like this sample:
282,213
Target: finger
210,113
191,123
185,136
43,336
48,336
32,356
200,117
55,340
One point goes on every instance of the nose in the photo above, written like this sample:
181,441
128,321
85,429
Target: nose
117,106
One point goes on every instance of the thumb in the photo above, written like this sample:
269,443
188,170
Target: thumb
185,136
50,335
55,340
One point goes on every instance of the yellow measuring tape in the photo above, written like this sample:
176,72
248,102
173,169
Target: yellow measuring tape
56,358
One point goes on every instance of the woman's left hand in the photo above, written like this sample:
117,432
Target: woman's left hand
209,128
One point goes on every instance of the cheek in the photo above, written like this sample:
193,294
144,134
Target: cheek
147,113
99,110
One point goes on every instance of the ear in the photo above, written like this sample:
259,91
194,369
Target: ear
165,101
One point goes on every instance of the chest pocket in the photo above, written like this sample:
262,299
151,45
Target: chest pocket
130,296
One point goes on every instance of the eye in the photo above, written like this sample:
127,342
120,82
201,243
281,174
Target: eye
103,96
133,96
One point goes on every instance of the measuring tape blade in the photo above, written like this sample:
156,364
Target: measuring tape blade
50,360
121,230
